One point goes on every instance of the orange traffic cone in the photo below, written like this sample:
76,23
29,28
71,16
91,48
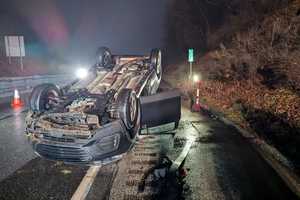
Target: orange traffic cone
196,107
16,102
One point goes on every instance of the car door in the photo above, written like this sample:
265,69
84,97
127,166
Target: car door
161,108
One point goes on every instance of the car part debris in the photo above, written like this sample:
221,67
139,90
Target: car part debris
171,170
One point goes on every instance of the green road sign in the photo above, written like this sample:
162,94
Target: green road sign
191,55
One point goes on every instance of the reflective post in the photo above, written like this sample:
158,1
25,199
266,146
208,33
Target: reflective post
191,60
191,71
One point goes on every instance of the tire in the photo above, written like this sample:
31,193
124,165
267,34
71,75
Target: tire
137,127
150,89
147,89
128,107
176,125
155,60
104,58
39,97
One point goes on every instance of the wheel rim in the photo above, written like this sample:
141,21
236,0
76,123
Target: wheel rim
105,59
133,108
158,63
50,93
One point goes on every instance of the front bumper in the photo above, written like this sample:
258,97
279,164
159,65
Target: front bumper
108,144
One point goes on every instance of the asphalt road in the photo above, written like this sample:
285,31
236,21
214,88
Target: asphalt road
15,150
223,165
220,165
23,175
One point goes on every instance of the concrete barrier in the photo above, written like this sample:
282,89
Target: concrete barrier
25,85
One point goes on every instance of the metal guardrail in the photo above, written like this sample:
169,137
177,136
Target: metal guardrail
27,83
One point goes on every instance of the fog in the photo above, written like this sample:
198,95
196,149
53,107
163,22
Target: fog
73,29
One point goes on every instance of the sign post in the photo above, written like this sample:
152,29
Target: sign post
191,60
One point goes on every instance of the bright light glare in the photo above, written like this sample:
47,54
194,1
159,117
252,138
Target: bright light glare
195,78
81,73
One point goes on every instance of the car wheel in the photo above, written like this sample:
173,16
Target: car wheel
104,57
147,89
40,96
151,86
137,124
155,60
176,124
128,107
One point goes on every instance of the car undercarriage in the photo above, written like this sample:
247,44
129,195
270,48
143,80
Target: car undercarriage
95,119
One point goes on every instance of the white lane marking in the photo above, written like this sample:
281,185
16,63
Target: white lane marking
189,143
86,183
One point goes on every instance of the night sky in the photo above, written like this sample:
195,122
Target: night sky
73,29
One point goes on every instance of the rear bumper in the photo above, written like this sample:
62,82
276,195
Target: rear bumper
109,144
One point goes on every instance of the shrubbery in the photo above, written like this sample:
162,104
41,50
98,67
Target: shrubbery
255,79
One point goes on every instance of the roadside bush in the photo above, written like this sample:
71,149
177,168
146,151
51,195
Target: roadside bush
255,79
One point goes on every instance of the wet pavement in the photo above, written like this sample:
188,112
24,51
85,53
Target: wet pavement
15,150
220,165
40,179
6,111
223,165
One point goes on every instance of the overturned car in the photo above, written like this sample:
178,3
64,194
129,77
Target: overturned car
94,120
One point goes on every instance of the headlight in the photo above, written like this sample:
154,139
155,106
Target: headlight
81,73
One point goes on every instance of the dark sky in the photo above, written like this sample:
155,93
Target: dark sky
75,28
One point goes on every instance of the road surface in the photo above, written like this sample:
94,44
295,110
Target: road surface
220,165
